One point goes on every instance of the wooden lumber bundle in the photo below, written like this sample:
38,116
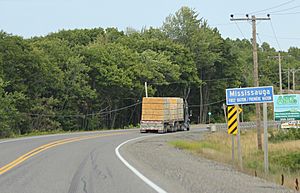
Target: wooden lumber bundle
162,109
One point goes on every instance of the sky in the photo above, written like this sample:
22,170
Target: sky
30,18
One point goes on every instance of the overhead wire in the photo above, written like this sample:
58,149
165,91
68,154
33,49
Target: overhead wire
283,10
274,7
258,38
207,104
221,24
275,35
102,112
219,79
291,13
240,29
120,109
287,38
180,82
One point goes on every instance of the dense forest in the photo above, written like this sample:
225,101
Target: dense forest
87,79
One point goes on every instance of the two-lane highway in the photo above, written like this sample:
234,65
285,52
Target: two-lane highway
91,162
81,162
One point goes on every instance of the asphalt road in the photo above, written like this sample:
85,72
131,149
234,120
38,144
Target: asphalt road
87,163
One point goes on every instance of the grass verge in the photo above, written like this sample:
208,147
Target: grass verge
284,156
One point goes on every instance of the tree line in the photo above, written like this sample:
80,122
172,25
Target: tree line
87,79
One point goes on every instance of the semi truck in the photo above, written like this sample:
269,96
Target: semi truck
164,114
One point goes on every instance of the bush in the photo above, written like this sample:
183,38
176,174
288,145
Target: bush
284,135
288,161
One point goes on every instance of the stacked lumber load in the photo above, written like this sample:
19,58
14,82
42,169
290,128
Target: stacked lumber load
162,109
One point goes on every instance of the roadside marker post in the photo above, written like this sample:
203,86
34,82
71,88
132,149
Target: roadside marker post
232,136
233,129
232,120
239,139
266,157
252,95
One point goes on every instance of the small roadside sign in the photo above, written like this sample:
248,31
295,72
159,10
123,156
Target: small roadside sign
232,120
249,95
240,110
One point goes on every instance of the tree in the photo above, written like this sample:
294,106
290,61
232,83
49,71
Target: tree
208,48
9,115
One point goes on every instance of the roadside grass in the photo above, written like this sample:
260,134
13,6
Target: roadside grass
284,156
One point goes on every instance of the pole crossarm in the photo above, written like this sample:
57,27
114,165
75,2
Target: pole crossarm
249,19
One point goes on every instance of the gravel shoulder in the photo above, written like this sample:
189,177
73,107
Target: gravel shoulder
179,171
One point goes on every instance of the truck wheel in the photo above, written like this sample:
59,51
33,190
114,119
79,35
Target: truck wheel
176,127
169,128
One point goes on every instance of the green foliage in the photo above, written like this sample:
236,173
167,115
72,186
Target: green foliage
284,135
74,79
289,161
9,115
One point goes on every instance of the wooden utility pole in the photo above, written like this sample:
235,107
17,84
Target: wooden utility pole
293,72
289,81
280,76
255,70
279,57
294,83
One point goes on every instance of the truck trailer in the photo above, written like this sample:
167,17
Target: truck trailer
164,114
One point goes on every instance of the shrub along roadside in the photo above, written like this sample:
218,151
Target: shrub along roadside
284,135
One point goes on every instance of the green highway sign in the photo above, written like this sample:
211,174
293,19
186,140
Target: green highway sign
287,107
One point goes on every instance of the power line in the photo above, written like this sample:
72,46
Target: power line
221,24
283,10
240,30
102,112
220,79
180,82
287,38
207,104
275,35
120,109
291,13
259,38
274,7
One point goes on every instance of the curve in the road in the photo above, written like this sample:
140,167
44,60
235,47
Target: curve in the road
134,170
42,148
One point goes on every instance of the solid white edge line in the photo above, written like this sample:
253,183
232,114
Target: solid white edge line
135,171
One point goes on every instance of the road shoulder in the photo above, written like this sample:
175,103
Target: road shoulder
180,171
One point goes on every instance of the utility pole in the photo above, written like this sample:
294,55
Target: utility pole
279,57
280,77
294,83
255,70
293,71
288,80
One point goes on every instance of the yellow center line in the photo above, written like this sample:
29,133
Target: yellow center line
42,148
